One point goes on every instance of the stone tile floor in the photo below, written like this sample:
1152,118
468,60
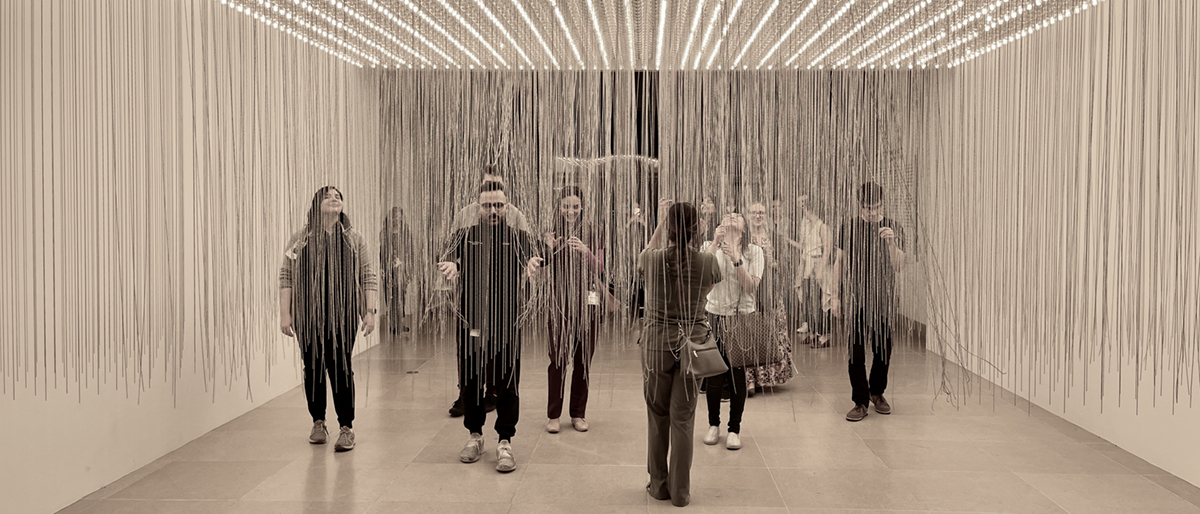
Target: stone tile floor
989,453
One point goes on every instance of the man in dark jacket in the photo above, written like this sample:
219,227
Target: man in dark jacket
492,257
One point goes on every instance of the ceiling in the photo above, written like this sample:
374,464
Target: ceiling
659,34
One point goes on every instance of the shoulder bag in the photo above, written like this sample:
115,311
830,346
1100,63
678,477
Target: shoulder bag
697,359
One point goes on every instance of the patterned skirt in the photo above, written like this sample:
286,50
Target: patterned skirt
779,372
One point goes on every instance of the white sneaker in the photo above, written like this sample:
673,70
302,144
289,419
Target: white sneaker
505,462
345,440
714,433
319,433
733,441
803,328
473,449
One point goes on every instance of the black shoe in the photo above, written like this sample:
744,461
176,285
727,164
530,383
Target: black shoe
458,409
406,329
489,404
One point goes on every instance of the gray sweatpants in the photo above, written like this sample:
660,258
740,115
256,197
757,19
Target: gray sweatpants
671,415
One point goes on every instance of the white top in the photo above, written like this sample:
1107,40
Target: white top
727,297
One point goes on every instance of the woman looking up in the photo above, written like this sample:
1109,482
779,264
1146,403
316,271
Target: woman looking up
327,283
677,279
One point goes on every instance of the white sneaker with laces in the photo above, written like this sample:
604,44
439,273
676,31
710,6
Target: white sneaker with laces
505,462
733,441
473,449
319,434
713,434
345,440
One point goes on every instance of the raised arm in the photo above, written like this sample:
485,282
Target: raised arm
659,238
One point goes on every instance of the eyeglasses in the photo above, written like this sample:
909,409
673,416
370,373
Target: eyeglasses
493,205
758,213
874,207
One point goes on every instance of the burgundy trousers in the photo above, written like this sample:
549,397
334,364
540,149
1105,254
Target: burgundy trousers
574,342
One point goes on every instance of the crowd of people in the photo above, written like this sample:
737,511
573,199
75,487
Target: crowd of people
757,282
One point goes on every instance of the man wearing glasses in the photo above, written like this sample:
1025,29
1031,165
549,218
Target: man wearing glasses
870,251
488,260
468,217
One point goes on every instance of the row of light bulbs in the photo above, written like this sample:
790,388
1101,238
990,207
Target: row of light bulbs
363,50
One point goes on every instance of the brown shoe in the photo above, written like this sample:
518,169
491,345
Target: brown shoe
881,404
857,413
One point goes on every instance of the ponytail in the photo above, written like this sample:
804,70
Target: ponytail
681,229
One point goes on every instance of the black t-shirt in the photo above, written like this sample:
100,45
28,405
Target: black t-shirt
870,278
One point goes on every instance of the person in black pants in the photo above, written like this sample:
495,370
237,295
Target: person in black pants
870,251
492,256
327,266
741,265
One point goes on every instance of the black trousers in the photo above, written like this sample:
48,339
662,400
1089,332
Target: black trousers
736,378
501,374
328,355
394,293
868,328
810,307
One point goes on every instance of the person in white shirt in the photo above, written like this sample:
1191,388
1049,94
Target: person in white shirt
741,265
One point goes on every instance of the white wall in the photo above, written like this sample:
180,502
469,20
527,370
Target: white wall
156,155
1065,262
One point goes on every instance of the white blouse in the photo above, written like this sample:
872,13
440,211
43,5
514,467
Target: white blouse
727,297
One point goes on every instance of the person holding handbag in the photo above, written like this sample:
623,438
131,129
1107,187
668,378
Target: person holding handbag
741,265
772,294
677,280
575,262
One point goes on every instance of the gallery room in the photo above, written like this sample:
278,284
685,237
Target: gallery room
600,256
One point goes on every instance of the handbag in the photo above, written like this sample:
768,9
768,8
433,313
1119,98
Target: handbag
749,340
697,360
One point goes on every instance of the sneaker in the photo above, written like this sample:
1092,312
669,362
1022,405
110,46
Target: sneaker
319,434
473,449
458,409
881,404
820,342
733,441
714,433
857,413
552,426
504,457
580,424
803,328
345,440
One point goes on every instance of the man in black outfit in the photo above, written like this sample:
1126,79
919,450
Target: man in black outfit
870,251
492,257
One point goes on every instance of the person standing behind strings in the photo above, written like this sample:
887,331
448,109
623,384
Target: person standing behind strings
636,237
870,251
677,279
468,217
395,256
576,259
772,290
812,289
708,218
491,256
741,265
327,281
